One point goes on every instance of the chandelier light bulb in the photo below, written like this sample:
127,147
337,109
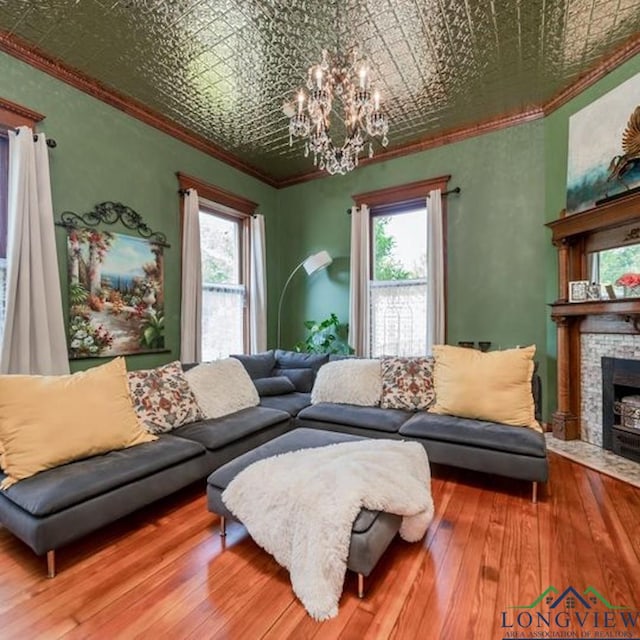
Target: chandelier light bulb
363,77
319,77
300,102
376,100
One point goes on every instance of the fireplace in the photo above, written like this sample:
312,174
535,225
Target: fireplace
620,379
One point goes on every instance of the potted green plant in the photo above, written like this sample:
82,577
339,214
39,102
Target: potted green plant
326,336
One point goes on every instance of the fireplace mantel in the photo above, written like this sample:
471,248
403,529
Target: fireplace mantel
602,316
621,307
610,224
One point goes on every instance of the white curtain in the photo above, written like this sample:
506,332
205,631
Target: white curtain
191,307
359,282
258,287
435,271
34,338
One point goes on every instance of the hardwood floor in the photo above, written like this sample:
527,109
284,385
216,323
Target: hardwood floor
163,573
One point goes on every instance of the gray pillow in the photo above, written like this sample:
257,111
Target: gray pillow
295,360
302,378
274,386
258,365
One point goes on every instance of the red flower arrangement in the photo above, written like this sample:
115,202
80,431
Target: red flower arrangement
629,280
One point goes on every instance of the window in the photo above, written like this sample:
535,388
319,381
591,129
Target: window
4,176
222,246
398,284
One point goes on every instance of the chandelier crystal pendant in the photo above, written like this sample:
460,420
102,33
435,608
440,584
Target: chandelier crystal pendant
363,120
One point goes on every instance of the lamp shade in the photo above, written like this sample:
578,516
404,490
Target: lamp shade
317,261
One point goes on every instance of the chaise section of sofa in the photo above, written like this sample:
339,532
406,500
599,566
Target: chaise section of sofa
60,505
515,452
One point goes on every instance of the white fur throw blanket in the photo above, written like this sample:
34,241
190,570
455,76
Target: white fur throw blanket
300,507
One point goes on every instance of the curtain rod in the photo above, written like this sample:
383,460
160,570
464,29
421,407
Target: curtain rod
51,143
184,192
444,193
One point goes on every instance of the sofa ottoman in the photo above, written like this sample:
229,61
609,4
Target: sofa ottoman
372,531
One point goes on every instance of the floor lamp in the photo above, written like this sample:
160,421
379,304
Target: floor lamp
313,263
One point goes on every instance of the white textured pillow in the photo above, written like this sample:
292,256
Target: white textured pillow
349,381
222,387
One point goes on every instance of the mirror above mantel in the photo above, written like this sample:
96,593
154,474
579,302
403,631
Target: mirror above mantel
601,246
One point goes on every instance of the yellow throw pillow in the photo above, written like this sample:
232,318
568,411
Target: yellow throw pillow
46,421
493,386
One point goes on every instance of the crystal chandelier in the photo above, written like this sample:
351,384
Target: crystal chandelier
363,119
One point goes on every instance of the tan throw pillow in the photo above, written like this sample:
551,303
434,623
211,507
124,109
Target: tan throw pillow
46,421
407,383
162,398
493,386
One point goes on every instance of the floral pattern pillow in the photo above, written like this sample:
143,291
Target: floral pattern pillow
407,383
162,398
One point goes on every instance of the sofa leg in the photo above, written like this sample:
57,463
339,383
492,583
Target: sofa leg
360,586
223,526
534,492
51,564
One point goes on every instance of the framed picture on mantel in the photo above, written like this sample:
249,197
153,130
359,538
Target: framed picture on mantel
579,290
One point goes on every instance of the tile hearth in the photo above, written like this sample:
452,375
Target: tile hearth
596,458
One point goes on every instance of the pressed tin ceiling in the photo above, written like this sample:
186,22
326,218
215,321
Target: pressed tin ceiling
224,68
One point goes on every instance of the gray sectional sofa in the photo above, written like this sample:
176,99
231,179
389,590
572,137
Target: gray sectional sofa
60,505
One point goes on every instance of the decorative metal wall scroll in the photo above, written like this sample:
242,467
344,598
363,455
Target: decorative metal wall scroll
110,213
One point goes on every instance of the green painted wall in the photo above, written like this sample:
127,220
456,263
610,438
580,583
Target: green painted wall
103,154
556,138
495,237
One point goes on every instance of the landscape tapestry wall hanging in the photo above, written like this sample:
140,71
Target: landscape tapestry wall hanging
116,284
604,147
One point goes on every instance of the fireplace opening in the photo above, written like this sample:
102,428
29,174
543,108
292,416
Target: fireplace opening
621,407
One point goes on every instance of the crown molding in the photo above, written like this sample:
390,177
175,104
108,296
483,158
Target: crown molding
33,56
605,66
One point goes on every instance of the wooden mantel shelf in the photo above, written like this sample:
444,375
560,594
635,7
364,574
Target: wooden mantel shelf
621,307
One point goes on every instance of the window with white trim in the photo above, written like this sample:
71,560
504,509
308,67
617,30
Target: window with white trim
398,283
224,292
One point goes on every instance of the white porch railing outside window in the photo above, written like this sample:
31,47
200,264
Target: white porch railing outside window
398,317
222,320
